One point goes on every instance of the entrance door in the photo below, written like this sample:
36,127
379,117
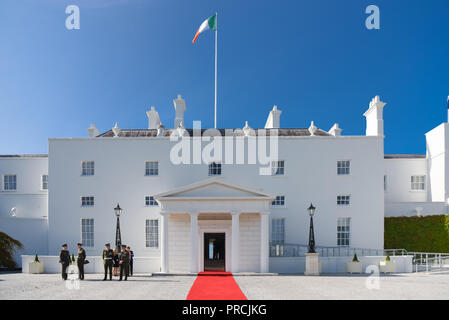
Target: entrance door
214,252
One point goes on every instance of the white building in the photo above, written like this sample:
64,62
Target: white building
175,214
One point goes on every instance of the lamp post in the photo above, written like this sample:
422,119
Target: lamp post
311,210
118,238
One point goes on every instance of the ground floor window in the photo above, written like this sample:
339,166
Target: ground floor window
87,232
152,233
343,231
278,231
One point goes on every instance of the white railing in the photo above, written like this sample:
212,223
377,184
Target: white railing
424,261
300,250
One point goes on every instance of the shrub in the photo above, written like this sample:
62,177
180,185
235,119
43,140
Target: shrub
388,257
36,258
419,234
8,247
73,257
355,258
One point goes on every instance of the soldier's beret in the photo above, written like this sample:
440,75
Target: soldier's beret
123,245
64,245
107,245
79,243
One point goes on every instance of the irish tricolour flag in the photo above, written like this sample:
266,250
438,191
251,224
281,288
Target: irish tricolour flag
209,23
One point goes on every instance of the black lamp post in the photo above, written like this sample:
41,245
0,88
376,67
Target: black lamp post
118,237
311,210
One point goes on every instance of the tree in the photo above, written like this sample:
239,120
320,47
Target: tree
8,247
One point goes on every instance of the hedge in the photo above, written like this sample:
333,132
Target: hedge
419,234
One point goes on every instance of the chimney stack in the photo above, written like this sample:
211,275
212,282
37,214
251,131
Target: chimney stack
180,108
153,118
374,117
92,131
335,130
274,119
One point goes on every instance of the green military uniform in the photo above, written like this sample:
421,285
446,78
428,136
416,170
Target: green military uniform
80,262
124,263
64,260
108,255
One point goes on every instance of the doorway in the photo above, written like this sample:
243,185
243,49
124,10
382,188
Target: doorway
214,252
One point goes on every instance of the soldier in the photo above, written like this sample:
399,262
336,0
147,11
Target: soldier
108,255
80,260
131,260
124,263
64,260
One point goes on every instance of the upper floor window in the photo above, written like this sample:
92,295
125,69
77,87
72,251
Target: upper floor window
87,201
418,182
343,231
152,233
87,232
279,201
343,200
9,182
150,201
278,231
343,167
277,168
44,182
151,168
88,168
214,169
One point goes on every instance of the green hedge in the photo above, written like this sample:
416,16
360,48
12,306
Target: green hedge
421,234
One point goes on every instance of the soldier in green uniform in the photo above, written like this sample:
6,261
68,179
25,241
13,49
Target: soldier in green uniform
124,263
80,260
108,254
64,260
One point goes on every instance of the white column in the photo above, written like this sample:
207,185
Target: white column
194,243
264,248
235,250
164,241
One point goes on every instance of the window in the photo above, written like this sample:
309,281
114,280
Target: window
152,233
343,167
214,169
278,202
44,182
151,168
87,232
9,182
418,182
87,201
343,231
385,183
150,201
87,168
343,200
278,231
277,168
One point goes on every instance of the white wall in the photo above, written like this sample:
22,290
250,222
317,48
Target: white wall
32,233
399,172
179,243
249,260
403,264
311,176
29,199
95,265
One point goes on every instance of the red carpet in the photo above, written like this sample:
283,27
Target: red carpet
215,286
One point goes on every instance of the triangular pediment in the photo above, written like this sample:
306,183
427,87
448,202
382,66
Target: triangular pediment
214,188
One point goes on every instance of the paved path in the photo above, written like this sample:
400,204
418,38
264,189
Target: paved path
400,286
141,286
50,286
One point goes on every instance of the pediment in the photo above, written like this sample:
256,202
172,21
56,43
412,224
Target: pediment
214,188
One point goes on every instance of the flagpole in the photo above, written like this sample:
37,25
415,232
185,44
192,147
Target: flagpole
216,36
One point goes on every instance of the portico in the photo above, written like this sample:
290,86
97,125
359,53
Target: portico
214,206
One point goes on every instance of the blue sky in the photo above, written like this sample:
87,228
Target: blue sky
314,59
